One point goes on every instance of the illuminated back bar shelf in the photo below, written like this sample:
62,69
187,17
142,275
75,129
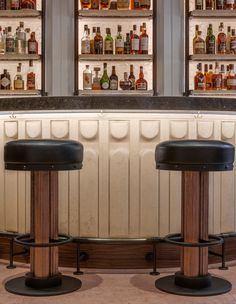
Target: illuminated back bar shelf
116,14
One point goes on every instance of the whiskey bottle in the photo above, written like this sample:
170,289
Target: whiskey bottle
15,4
108,42
5,80
123,4
132,78
85,41
135,4
85,4
98,42
208,76
96,80
199,79
224,77
233,43
231,81
8,4
119,42
228,40
105,81
221,40
210,41
87,78
127,44
230,4
105,4
95,4
92,51
113,79
2,5
198,44
125,84
18,80
220,5
32,44
2,42
141,83
144,40
209,5
217,78
134,41
199,4
28,4
21,39
10,42
31,83
145,4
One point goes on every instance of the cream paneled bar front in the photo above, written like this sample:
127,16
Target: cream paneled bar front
119,193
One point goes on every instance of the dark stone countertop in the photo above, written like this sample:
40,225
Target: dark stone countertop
118,103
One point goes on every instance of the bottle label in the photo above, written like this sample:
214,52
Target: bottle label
5,82
85,1
200,85
199,2
211,47
18,84
220,4
31,81
105,85
95,4
87,81
98,47
10,45
135,44
230,2
15,4
217,83
231,82
199,45
141,86
233,45
123,4
119,43
2,5
145,3
222,47
85,47
113,84
127,48
144,44
108,45
104,2
32,47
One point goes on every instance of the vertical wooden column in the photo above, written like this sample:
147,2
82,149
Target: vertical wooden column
194,261
44,222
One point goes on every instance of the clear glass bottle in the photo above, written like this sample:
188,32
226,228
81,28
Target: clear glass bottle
230,4
119,42
87,78
96,80
32,44
18,80
10,42
141,83
105,81
113,79
21,39
108,42
31,77
144,40
221,40
85,41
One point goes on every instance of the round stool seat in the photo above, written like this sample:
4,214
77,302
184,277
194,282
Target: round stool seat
43,155
195,155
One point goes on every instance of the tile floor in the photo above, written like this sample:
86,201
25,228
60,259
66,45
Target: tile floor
115,287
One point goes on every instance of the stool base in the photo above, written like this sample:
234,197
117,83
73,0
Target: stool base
17,286
218,286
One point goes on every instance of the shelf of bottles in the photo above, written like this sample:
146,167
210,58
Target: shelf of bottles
114,47
22,47
211,47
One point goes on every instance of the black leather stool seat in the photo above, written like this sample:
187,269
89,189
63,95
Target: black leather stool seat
195,155
43,155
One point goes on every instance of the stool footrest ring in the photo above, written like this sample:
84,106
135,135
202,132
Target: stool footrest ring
178,240
27,241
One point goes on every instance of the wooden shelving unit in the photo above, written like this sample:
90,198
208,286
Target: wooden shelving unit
115,57
26,13
212,14
19,57
115,93
115,13
20,93
217,57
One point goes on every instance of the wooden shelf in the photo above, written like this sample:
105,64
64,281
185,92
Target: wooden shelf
216,57
20,93
115,13
213,14
19,57
213,93
115,57
25,13
115,93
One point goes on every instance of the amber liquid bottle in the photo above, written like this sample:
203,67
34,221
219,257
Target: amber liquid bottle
85,4
199,4
210,4
221,40
98,42
220,4
145,4
28,4
199,79
104,4
230,4
32,44
217,78
141,83
95,4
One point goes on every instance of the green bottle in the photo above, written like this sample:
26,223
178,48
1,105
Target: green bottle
108,43
105,81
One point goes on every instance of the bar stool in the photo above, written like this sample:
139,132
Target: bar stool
195,158
44,158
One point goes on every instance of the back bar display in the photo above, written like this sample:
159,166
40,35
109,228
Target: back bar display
114,47
211,47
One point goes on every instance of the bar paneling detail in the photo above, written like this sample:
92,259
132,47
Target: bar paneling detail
119,192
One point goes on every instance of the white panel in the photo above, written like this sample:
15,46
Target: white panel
11,129
228,129
205,129
150,129
60,129
178,129
34,129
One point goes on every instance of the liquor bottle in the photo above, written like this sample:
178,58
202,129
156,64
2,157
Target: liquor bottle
210,41
113,79
228,40
199,79
198,44
105,81
5,80
217,78
233,43
209,4
208,77
144,40
231,81
134,41
199,4
95,4
230,4
32,44
135,4
27,33
15,4
126,83
145,4
2,5
85,4
205,76
127,45
96,80
98,42
220,4
85,41
10,42
8,4
21,40
224,77
2,42
18,80
105,4
28,4
87,78
31,83
92,51
141,83
119,42
221,40
123,4
108,42
132,77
